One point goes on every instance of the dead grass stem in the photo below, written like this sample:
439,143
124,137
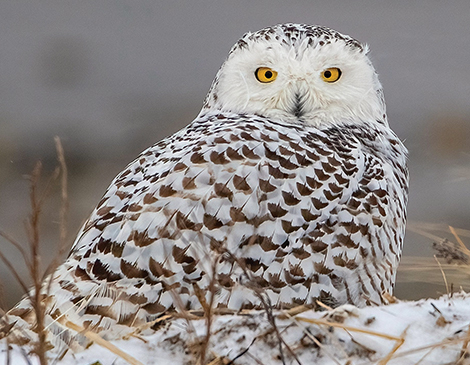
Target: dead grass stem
31,255
443,275
94,337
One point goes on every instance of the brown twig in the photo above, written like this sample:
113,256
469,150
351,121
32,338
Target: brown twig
33,230
462,246
231,362
431,346
32,258
312,338
443,274
208,312
17,245
464,350
64,206
14,272
348,328
395,348
94,337
267,307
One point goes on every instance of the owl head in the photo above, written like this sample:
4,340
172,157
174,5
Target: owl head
301,73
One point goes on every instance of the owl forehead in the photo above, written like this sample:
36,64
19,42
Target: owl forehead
299,37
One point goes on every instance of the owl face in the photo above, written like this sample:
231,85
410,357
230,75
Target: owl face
300,73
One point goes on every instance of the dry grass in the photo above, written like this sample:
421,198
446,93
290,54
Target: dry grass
96,338
325,326
451,261
30,251
42,278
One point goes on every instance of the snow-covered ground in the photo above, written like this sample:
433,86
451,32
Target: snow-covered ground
432,331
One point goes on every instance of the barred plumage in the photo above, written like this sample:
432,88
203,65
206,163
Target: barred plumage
295,188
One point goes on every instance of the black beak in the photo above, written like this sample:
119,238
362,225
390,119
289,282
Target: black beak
298,109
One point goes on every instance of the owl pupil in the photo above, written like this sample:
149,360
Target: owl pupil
327,74
268,74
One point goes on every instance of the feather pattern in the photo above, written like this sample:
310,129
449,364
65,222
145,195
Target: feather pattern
246,199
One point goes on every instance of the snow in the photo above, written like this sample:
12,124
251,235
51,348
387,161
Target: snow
431,331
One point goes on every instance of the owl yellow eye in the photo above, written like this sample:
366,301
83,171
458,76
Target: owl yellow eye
265,74
331,74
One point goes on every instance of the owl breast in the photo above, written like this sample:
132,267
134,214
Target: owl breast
247,204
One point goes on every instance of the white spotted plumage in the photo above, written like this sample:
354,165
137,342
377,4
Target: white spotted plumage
296,188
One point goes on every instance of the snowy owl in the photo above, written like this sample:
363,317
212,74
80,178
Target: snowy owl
289,186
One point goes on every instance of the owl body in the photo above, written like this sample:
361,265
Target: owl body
290,191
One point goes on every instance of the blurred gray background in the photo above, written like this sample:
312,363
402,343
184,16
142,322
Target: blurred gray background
111,77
